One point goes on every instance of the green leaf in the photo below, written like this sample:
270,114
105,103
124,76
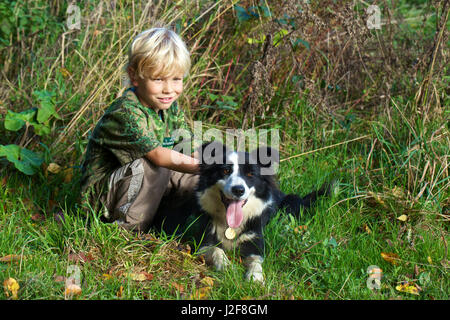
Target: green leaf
14,121
241,13
303,42
24,160
41,129
46,110
46,105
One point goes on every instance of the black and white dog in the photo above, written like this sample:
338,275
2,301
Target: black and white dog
238,193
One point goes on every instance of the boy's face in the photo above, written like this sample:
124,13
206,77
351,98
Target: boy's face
158,93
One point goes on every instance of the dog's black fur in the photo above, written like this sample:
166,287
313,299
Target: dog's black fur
240,181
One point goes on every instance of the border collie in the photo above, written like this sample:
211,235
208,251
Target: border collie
236,196
238,192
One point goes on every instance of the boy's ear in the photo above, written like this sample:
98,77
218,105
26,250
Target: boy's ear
132,75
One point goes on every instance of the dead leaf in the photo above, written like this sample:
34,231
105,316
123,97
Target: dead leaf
390,257
120,292
141,276
106,276
403,218
80,257
10,258
64,72
57,278
200,293
367,229
207,281
408,287
11,287
38,217
4,181
54,168
178,287
72,290
300,229
68,175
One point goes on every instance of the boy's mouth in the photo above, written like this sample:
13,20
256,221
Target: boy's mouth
166,100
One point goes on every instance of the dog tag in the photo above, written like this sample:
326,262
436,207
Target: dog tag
230,233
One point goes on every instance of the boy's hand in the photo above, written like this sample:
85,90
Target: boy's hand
173,160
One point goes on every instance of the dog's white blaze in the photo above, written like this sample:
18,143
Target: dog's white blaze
234,179
233,158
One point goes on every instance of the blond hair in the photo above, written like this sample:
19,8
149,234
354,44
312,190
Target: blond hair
158,52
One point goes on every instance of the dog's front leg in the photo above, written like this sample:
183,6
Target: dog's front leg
252,252
253,264
216,256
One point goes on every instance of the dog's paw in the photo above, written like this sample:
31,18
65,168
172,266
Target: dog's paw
254,269
256,276
217,257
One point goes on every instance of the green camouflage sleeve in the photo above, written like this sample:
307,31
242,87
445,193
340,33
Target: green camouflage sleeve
129,133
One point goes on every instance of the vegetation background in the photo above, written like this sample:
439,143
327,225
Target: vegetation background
351,98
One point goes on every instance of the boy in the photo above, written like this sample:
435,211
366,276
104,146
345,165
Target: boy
129,164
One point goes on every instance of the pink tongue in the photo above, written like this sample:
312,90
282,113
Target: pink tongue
234,214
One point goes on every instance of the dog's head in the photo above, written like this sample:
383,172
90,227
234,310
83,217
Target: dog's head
229,179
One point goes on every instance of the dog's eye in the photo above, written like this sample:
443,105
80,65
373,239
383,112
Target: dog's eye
226,171
249,174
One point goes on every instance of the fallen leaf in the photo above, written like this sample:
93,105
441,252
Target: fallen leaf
64,72
106,276
207,281
4,181
80,257
57,278
390,257
178,287
408,287
403,218
200,293
72,290
430,261
38,217
10,258
300,228
54,168
68,175
11,287
120,292
141,276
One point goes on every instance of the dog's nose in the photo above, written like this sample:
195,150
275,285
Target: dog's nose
238,190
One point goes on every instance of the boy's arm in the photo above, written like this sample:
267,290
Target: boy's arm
173,160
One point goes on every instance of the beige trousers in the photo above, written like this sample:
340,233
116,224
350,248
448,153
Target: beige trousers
136,189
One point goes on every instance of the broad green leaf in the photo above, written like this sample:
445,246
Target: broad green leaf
241,13
10,151
14,121
24,160
303,42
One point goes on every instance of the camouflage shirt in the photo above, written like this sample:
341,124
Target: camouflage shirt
126,132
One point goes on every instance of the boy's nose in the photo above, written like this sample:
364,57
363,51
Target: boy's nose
167,87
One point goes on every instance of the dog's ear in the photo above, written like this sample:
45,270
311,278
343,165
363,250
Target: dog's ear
212,152
267,158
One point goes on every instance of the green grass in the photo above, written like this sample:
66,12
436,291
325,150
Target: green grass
399,165
327,259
